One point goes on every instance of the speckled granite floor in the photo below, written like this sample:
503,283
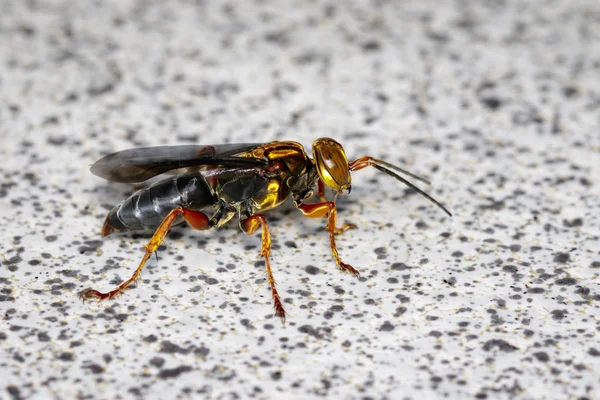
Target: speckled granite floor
497,102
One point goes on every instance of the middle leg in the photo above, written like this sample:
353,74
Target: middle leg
249,226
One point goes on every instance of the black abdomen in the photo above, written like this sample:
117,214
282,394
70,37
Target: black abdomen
146,208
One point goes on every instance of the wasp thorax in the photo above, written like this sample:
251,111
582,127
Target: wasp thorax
332,164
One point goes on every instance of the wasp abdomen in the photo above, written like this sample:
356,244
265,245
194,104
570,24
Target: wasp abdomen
146,208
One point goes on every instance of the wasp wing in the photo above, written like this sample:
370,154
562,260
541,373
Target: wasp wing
140,164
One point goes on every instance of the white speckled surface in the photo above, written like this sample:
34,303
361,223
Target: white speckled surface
497,102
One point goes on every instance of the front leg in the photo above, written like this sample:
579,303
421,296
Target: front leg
321,191
327,209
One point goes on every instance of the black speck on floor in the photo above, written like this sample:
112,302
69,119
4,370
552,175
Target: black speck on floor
168,373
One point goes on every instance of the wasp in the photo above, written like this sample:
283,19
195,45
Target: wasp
212,184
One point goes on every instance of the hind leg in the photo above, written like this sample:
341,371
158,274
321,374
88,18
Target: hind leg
196,219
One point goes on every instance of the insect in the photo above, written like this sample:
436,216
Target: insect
213,184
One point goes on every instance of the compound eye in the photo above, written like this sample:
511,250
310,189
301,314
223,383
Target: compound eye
332,164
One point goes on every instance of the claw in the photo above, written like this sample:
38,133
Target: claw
349,268
92,293
279,311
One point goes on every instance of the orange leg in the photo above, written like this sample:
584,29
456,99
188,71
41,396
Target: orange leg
249,226
321,191
328,210
196,219
321,194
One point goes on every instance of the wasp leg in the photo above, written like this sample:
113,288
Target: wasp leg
328,210
321,191
196,219
344,228
249,226
321,194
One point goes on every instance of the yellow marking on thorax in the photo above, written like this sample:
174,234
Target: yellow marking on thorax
274,195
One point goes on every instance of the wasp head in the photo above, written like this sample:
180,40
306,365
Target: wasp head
332,164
